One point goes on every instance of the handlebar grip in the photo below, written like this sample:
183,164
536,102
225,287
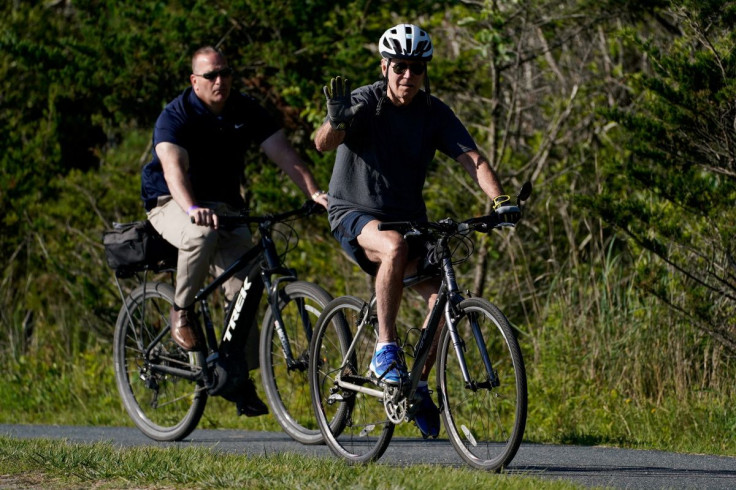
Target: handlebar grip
394,226
312,207
226,221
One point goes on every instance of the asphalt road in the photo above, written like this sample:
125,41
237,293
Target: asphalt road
588,466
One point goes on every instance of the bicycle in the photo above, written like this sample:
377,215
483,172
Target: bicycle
480,372
165,389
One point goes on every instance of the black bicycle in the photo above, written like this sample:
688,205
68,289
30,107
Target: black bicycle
165,389
481,378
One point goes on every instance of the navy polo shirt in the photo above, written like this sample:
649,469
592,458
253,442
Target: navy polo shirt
216,146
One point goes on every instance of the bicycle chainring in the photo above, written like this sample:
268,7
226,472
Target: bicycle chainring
395,403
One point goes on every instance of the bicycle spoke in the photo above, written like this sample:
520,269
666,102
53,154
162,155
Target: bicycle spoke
354,424
285,379
163,406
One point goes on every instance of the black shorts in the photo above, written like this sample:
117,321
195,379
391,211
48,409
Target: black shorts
347,232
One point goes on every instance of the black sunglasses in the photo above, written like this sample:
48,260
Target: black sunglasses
212,75
414,68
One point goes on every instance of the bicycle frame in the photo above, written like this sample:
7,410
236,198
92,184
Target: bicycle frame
448,297
269,267
481,388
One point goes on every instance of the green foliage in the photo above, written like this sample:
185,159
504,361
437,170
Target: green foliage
620,113
679,178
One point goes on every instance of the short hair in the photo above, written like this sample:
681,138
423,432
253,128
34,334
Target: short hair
207,50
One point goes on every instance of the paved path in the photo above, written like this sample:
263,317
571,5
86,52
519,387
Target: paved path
588,466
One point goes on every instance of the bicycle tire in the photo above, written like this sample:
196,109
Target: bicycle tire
287,389
163,406
484,424
359,430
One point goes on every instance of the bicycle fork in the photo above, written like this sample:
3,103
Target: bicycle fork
452,316
300,363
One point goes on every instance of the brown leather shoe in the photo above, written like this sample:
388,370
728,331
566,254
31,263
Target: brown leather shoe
184,329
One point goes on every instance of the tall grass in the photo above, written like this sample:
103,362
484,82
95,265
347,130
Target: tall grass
610,365
606,363
605,366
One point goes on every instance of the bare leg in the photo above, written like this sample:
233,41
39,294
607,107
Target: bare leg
390,251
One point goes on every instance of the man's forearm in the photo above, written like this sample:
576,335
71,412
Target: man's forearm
481,171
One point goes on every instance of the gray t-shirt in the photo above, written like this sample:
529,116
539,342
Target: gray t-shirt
381,166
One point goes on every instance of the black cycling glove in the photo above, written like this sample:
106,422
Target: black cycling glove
339,108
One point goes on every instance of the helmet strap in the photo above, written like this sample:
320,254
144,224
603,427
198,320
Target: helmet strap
384,90
426,87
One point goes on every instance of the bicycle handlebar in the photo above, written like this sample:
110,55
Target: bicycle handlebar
482,224
447,225
307,209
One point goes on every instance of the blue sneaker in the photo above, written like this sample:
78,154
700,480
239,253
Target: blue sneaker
427,416
382,363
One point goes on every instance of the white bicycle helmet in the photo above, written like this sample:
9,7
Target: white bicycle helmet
406,42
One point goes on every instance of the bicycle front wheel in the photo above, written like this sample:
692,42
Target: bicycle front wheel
163,406
486,416
285,378
354,424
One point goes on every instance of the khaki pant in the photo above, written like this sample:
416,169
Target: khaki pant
202,250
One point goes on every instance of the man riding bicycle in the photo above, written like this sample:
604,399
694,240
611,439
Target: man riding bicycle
199,146
386,135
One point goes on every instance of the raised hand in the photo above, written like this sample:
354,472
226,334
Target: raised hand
339,105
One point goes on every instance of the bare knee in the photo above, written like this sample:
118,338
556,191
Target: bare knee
393,250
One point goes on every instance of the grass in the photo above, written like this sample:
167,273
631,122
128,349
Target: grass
50,464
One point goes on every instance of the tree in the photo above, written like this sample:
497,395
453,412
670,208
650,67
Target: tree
672,189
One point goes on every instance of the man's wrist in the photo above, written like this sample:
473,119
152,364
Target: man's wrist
192,208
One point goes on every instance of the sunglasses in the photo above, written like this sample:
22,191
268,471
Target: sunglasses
212,75
415,68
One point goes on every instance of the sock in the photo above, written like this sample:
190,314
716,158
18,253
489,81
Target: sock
381,345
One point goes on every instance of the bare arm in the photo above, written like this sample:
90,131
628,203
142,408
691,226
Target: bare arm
278,150
328,138
481,171
175,162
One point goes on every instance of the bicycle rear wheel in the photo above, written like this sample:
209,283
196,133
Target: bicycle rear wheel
287,387
354,424
485,420
163,406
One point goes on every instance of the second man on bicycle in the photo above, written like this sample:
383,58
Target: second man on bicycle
199,146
